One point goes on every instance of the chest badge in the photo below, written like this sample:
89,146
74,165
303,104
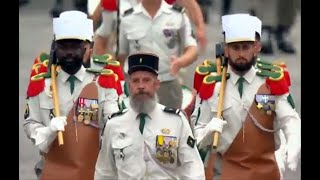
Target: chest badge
165,131
265,102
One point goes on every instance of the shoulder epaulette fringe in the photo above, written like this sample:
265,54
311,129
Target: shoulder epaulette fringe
116,67
276,81
107,79
203,70
102,59
208,85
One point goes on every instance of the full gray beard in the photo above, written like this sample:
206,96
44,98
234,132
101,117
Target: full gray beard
143,106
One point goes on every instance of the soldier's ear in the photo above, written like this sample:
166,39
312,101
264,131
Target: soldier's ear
258,46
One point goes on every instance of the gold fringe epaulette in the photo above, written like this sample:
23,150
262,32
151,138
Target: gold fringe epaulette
203,70
102,59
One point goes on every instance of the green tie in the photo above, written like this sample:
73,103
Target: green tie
142,121
71,79
240,85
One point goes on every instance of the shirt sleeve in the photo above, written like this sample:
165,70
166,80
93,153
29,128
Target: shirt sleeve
111,104
105,166
201,117
123,41
35,128
187,34
189,157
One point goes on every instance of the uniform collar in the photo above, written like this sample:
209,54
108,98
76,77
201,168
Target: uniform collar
151,114
79,75
165,7
249,76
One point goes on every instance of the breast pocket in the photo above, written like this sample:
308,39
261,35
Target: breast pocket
123,152
226,109
136,39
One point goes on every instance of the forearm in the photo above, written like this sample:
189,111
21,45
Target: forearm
194,12
189,56
100,45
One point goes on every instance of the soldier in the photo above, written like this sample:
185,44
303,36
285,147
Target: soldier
165,31
148,140
78,107
104,39
256,105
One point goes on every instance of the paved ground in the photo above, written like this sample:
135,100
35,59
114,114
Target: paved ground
35,35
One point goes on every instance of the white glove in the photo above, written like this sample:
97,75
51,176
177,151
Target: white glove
281,157
293,152
216,124
58,123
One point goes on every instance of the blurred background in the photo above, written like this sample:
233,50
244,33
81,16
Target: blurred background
281,39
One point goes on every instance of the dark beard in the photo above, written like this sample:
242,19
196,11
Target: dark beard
70,66
242,67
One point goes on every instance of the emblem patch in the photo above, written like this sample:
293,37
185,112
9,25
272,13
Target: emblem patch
165,131
87,111
265,102
191,142
166,149
26,112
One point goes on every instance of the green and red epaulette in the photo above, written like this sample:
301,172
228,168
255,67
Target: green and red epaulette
36,84
276,81
208,85
102,59
203,70
107,79
38,74
116,67
276,65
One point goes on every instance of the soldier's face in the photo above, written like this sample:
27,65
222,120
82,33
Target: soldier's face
70,54
143,85
241,55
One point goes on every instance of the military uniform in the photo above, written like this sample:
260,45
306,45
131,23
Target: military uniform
164,148
254,116
167,34
85,106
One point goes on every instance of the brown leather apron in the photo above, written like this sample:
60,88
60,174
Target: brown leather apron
76,158
251,157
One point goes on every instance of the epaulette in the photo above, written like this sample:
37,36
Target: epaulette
118,113
107,79
178,8
128,11
172,110
208,85
94,71
116,67
275,80
102,59
203,70
276,65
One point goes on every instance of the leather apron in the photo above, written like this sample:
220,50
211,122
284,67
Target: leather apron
249,157
76,158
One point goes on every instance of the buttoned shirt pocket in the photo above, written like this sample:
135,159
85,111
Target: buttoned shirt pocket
123,152
227,107
136,38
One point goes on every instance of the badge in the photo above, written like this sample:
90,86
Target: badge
51,114
167,33
165,131
191,141
26,112
265,102
87,111
137,45
166,148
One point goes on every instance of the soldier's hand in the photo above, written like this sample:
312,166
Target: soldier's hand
293,154
216,124
58,123
175,65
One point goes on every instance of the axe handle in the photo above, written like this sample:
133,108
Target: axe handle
220,105
55,99
218,65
